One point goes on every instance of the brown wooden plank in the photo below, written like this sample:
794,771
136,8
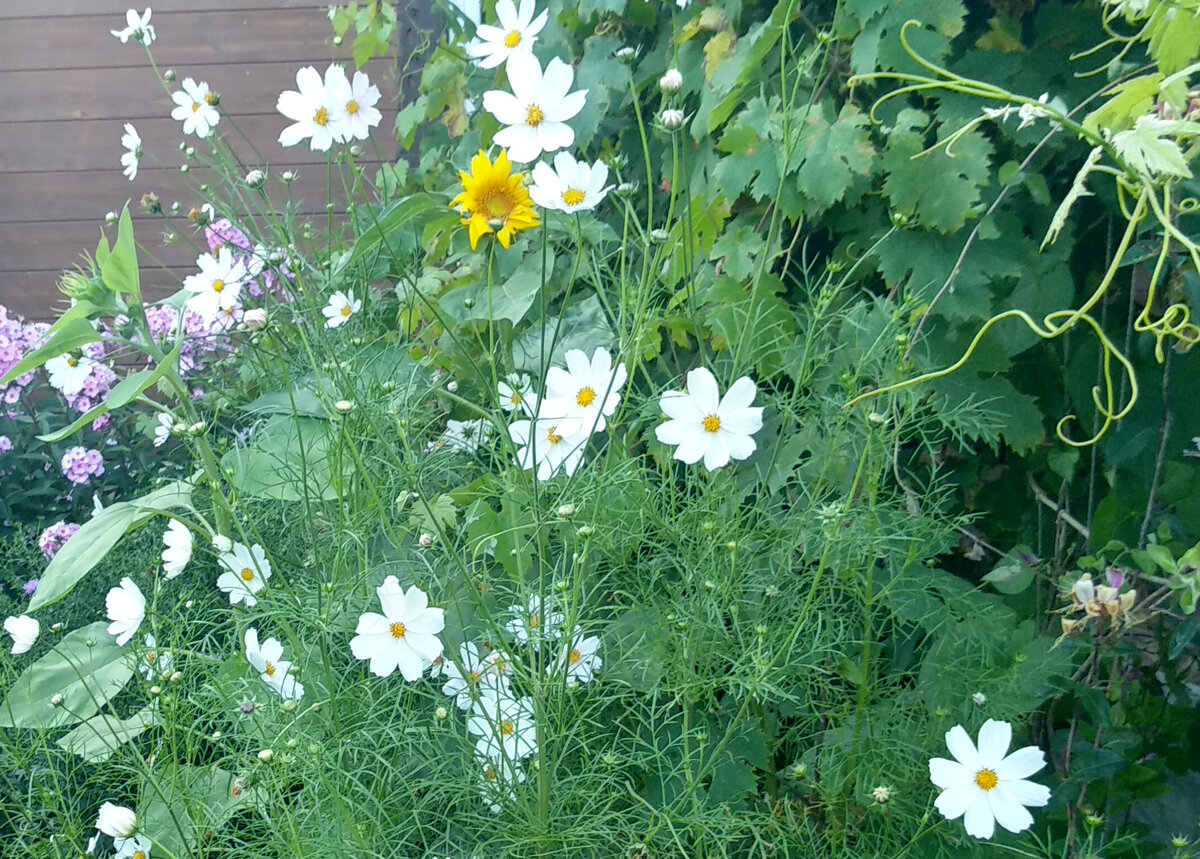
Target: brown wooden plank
85,144
187,38
115,9
59,246
34,198
130,94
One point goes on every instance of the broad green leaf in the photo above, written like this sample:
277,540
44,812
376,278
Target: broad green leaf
67,334
408,212
582,326
441,515
1130,99
188,804
98,535
509,300
120,270
1150,151
288,460
87,668
96,739
833,156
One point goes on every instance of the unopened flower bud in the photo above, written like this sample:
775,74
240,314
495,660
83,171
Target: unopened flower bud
155,691
169,75
671,120
337,41
110,218
799,771
216,735
56,700
899,219
979,699
292,743
441,714
566,511
468,303
266,755
356,151
625,55
196,429
658,235
882,795
343,407
222,543
287,177
671,82
877,419
290,705
585,531
256,178
183,168
627,189
190,604
176,678
425,541
256,319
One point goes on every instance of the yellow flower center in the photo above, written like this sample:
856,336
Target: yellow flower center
574,656
473,678
512,39
352,107
321,117
151,656
572,197
195,106
346,310
489,772
712,423
247,574
516,399
210,97
269,670
585,397
534,116
535,622
986,779
553,437
398,631
139,854
72,362
218,286
507,728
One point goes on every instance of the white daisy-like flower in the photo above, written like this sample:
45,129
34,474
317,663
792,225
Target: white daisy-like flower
315,108
535,113
405,636
465,436
516,392
549,443
218,284
126,606
24,631
162,432
267,659
155,661
588,390
69,372
505,727
178,541
705,425
227,318
357,113
137,27
472,676
498,785
986,786
579,660
133,151
247,571
341,306
137,847
535,622
571,186
195,107
517,32
116,821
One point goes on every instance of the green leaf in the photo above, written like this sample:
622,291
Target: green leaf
510,300
833,157
408,212
120,270
288,460
67,334
98,535
1011,575
87,668
1130,99
96,739
582,326
441,515
190,803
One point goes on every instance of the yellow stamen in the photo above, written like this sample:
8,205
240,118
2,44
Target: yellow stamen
398,630
218,286
269,670
585,397
574,656
195,106
346,310
986,779
352,107
572,197
512,39
553,437
712,423
247,574
507,728
321,117
534,116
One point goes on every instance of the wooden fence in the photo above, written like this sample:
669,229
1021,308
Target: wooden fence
67,87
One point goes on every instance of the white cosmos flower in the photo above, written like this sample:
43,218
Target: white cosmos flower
24,631
472,676
587,390
267,659
517,32
68,372
516,392
571,186
116,821
137,27
499,783
405,636
315,108
137,847
505,727
357,113
166,423
987,785
178,552
195,108
580,658
549,442
341,306
218,284
704,425
465,436
133,151
535,622
155,661
537,109
246,573
126,609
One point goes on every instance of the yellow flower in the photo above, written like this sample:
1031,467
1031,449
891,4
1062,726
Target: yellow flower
493,200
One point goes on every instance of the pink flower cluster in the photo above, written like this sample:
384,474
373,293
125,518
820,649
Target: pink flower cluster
80,465
16,339
55,537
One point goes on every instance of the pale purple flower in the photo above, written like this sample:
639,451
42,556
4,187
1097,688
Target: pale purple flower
53,538
80,465
30,587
